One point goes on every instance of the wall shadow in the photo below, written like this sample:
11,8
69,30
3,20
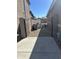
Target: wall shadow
58,42
21,31
44,33
19,34
43,47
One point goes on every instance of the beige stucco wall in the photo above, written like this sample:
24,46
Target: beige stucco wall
24,14
20,11
28,18
35,21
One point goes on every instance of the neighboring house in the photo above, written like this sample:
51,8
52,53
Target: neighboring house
44,21
35,22
54,19
23,19
33,19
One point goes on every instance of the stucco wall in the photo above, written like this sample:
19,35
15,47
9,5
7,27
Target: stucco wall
28,18
20,10
54,19
23,11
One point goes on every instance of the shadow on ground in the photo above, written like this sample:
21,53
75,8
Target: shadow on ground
45,48
44,33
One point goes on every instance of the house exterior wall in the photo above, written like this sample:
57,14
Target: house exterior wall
20,18
35,21
20,11
54,19
28,17
23,17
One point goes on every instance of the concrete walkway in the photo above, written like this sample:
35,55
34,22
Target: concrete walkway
25,47
38,45
38,48
34,33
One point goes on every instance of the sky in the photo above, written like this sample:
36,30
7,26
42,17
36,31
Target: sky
40,8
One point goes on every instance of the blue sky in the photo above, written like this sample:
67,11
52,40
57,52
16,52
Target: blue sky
40,7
